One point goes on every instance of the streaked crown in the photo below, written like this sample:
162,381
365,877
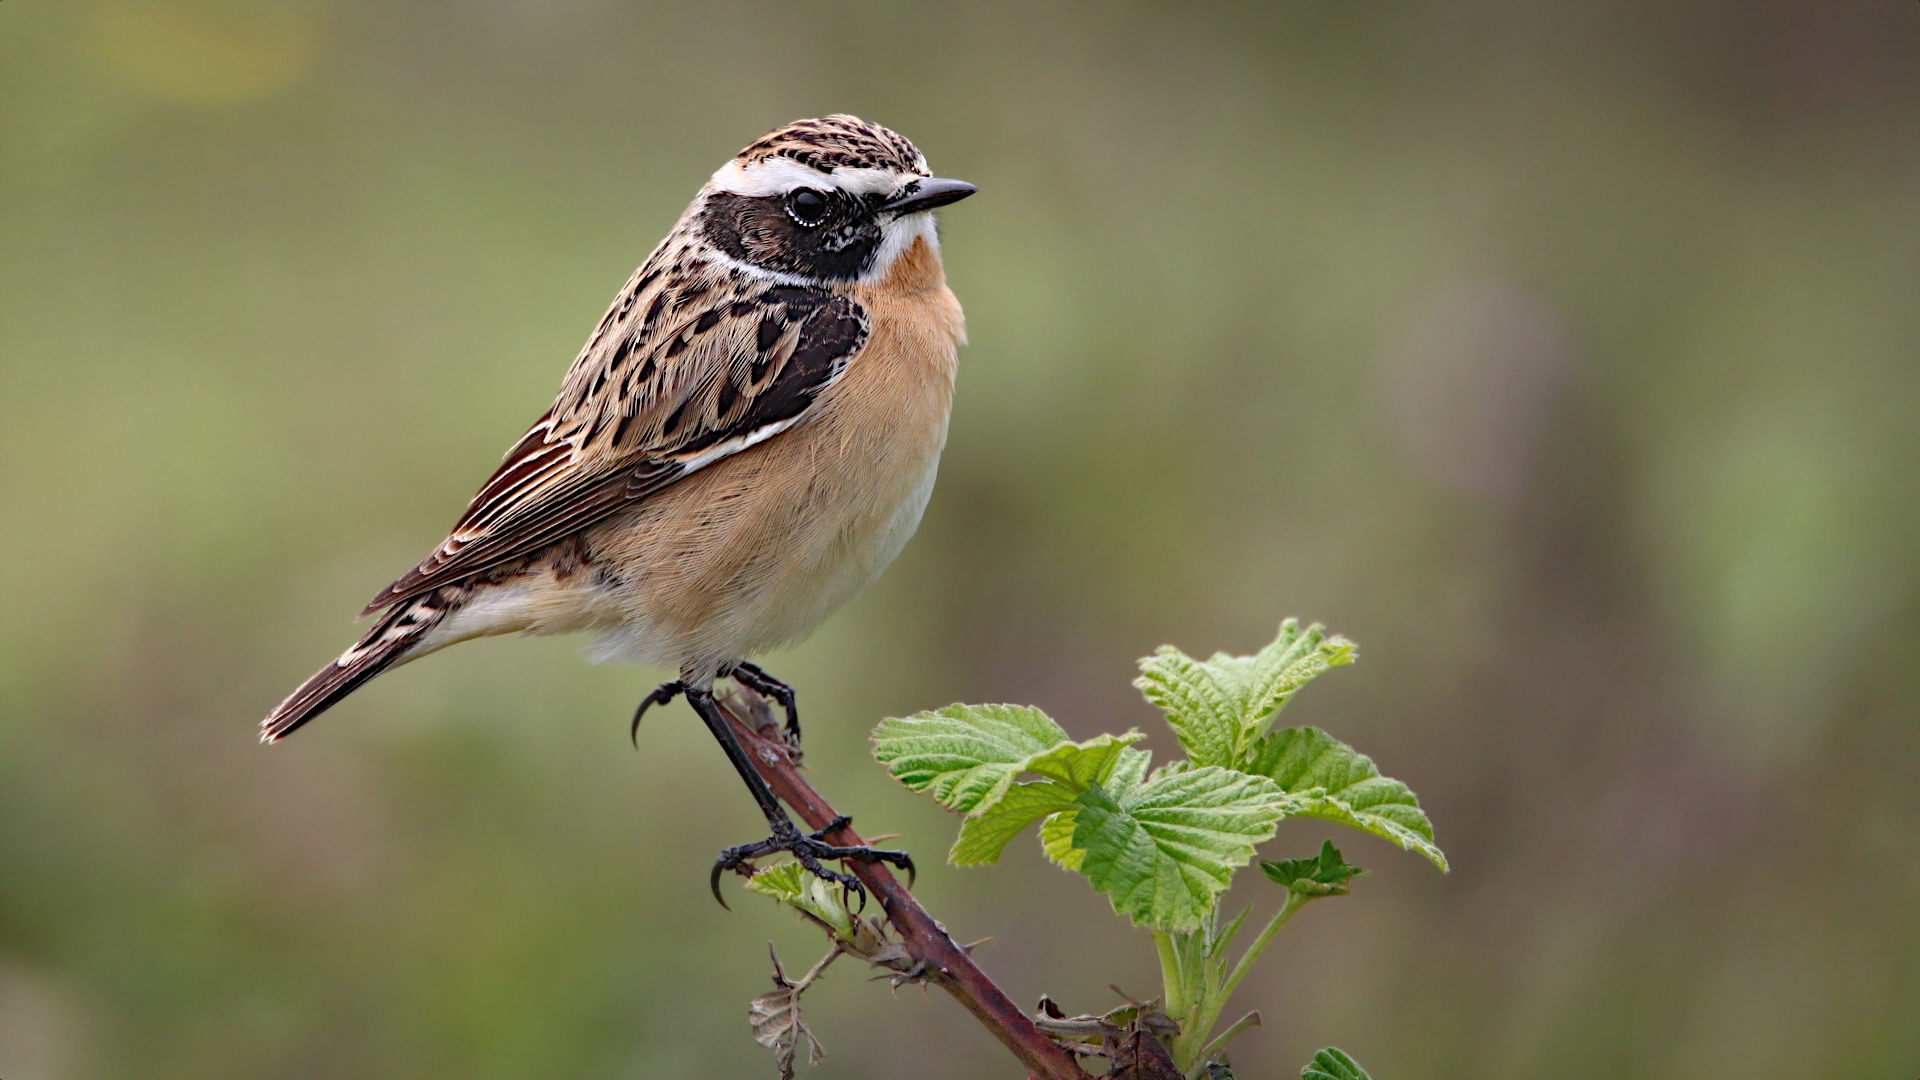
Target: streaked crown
836,142
842,152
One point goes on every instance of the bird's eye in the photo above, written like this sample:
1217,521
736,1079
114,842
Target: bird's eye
807,206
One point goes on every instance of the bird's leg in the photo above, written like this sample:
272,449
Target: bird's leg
662,694
807,850
755,678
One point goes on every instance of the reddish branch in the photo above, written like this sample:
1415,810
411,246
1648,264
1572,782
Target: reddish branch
946,964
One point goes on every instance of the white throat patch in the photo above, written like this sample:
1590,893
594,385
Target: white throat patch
896,237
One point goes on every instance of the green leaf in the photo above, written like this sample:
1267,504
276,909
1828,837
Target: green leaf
1219,706
1325,874
1056,833
1070,768
968,755
1162,851
1333,1064
1200,711
965,755
1334,782
1056,839
1083,764
983,838
1131,769
788,883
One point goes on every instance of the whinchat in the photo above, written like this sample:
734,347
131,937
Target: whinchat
746,441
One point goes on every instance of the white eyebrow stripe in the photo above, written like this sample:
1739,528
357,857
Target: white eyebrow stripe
770,176
779,175
869,181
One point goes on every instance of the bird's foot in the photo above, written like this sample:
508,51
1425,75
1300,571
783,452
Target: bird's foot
662,694
808,849
754,678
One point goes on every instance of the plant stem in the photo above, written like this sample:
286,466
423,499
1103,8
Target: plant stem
1213,1049
1205,993
1172,983
1188,980
943,962
1295,901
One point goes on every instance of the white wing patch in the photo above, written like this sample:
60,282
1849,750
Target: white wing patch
740,442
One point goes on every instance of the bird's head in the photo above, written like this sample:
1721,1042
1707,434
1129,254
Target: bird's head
832,199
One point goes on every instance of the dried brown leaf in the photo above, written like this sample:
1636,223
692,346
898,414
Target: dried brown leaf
776,1019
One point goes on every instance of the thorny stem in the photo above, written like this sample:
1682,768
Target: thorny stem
945,963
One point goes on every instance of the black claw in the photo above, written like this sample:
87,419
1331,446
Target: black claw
754,678
808,850
661,695
897,858
833,826
739,859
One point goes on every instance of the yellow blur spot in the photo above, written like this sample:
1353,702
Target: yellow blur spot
207,52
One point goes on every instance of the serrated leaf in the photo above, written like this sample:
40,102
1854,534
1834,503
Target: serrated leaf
1130,770
1293,659
1325,874
1333,1064
966,756
1200,711
1070,769
1163,850
983,838
1056,833
1219,706
1334,782
1083,764
788,883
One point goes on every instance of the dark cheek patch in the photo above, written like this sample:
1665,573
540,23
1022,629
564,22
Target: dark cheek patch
758,230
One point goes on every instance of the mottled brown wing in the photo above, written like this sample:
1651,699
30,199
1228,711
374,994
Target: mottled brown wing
681,374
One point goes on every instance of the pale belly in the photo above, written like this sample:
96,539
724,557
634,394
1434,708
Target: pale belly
756,551
720,568
832,567
757,555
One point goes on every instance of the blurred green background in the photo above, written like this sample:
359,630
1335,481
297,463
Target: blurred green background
1565,355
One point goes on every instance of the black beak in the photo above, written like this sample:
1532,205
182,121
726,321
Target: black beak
927,194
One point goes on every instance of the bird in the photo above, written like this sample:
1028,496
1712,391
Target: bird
747,439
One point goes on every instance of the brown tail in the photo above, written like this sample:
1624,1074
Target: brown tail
380,649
